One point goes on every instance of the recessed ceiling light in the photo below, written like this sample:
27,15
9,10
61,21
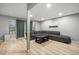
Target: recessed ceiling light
30,15
48,5
42,18
60,14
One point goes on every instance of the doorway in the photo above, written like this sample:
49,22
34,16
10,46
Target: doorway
20,28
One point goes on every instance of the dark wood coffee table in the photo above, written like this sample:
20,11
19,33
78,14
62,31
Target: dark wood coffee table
41,38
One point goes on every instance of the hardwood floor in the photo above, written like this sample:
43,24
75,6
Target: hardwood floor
18,47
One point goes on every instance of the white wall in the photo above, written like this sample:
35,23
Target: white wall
4,27
45,25
4,24
66,25
36,26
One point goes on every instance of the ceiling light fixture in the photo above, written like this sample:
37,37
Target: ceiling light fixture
60,14
30,15
42,18
48,5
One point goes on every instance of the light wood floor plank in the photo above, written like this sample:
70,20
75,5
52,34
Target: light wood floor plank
18,47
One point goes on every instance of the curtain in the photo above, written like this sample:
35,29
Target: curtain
20,28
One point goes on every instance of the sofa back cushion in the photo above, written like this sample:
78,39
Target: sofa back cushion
54,32
46,32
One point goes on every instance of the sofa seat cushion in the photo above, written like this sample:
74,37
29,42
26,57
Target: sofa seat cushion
61,38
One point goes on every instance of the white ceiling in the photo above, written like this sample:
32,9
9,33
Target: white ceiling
13,9
30,5
18,10
41,11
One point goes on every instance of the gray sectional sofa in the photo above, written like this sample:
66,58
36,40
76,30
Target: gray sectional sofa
53,35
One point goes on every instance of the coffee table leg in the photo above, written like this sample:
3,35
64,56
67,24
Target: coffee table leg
39,40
